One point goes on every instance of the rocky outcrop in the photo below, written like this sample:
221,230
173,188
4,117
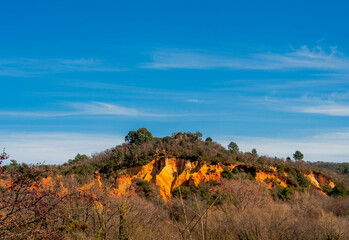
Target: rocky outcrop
170,173
318,180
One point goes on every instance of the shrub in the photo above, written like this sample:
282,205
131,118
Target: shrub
144,187
236,170
280,169
338,191
227,173
327,189
182,190
120,157
28,208
284,192
78,158
303,181
249,176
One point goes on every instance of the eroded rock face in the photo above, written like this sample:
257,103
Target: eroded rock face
170,173
267,177
318,180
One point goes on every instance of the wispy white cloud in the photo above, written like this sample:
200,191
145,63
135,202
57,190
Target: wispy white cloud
122,88
339,95
92,109
331,104
331,110
303,58
99,108
28,67
168,59
194,100
192,96
34,114
305,84
54,148
331,147
81,61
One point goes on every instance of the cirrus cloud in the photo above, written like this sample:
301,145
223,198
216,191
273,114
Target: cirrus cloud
29,67
302,58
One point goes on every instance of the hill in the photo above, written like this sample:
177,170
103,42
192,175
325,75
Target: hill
175,187
188,154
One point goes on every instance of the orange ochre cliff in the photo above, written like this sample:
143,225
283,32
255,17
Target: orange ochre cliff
169,173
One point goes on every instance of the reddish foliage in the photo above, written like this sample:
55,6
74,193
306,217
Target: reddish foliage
26,207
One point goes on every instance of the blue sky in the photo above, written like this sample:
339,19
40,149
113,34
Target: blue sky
76,76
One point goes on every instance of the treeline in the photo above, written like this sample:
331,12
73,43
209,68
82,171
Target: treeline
340,168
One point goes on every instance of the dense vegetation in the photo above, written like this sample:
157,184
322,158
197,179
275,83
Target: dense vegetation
75,205
340,168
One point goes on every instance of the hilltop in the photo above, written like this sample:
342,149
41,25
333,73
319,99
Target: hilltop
184,159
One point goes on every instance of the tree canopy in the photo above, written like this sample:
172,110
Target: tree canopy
139,136
233,147
298,156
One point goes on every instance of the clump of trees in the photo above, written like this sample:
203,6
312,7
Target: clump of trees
140,136
141,147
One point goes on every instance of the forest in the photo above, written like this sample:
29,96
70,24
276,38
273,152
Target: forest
175,187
